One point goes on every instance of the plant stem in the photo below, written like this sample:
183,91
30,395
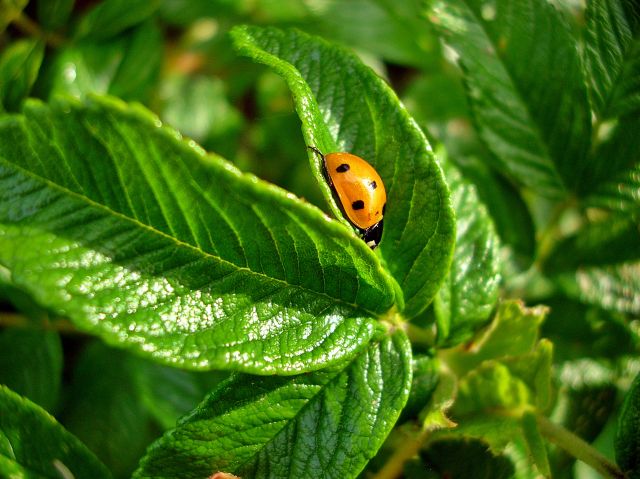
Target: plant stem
394,466
14,320
419,335
31,28
578,448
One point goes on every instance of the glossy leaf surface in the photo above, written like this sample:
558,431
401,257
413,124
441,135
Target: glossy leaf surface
324,424
627,440
344,106
154,245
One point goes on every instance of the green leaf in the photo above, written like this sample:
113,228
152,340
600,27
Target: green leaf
111,17
533,116
31,364
513,332
154,245
324,424
127,66
33,444
613,240
105,410
612,287
419,223
612,52
465,300
627,441
53,14
19,67
616,156
509,212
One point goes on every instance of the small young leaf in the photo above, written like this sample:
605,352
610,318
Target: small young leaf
532,113
19,67
33,444
157,246
465,300
31,364
344,106
513,332
324,424
53,14
613,56
110,17
627,442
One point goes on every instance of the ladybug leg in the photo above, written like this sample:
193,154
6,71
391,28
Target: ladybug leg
373,234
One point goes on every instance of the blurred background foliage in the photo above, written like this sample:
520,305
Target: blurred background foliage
175,57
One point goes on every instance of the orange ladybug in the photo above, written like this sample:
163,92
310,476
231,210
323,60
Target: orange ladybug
359,190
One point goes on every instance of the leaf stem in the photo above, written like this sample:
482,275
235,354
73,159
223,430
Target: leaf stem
418,335
14,320
394,466
578,448
31,28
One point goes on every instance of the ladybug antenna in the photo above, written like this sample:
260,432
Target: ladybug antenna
313,148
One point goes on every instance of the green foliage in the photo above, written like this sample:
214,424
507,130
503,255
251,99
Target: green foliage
270,420
32,443
179,285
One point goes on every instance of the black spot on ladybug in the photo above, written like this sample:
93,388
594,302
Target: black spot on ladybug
373,185
357,205
342,168
384,207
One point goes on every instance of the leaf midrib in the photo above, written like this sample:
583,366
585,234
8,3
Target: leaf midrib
177,241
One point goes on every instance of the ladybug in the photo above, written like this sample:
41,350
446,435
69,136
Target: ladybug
360,191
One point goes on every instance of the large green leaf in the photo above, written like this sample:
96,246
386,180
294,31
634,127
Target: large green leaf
612,50
31,364
468,295
19,67
627,440
153,244
525,82
344,106
33,444
325,424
